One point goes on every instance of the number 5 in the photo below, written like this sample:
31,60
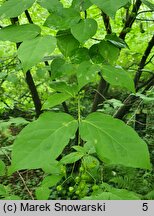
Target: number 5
145,207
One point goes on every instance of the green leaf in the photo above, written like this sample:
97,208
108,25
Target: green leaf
42,141
12,197
55,99
114,141
51,180
61,68
81,5
118,42
63,19
19,33
66,43
102,196
3,190
86,73
14,8
84,30
80,149
80,55
2,168
118,77
42,193
109,52
72,90
115,194
71,158
110,7
95,54
51,6
32,51
56,65
149,4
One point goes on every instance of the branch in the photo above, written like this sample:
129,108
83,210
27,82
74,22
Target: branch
30,82
130,20
146,83
99,96
107,24
46,63
129,101
146,20
103,85
146,11
143,61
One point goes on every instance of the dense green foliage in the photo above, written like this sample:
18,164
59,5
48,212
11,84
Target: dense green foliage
76,99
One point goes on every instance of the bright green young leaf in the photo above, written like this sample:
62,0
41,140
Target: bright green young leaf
110,7
115,40
109,52
81,5
84,30
118,77
51,6
66,43
14,8
42,141
86,73
32,51
19,33
114,141
55,99
72,90
2,168
51,180
80,55
79,149
149,4
42,193
63,19
71,158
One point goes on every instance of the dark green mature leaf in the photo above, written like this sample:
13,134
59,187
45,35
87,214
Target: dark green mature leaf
60,68
81,5
19,33
51,6
109,52
84,30
63,19
80,55
118,77
66,43
118,42
32,51
86,73
110,7
95,54
42,141
149,4
114,141
56,65
55,99
14,8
